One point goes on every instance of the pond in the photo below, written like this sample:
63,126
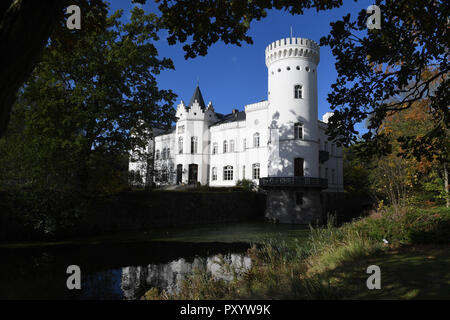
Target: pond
125,266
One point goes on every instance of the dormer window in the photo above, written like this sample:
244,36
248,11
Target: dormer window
298,92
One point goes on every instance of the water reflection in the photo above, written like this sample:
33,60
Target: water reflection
114,271
167,276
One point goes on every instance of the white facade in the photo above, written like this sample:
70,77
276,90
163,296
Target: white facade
261,141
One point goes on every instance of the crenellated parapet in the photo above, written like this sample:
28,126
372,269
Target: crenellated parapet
292,48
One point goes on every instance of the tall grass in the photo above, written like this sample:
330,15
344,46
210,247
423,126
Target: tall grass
301,269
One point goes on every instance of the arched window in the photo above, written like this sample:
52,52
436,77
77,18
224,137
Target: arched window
255,170
180,145
256,140
214,149
225,146
163,156
231,145
214,174
157,155
298,130
228,173
298,92
245,144
194,143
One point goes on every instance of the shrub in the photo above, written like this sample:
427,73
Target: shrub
246,185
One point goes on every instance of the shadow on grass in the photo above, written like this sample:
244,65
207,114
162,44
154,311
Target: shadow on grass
406,273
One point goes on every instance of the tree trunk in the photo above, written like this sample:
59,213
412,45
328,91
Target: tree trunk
25,26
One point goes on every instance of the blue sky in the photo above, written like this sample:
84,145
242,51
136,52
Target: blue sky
232,76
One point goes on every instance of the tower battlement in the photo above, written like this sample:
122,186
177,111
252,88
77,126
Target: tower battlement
292,48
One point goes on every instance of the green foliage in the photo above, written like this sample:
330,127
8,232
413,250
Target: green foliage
200,24
247,185
409,226
91,99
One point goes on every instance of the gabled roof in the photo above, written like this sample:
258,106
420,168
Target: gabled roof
197,96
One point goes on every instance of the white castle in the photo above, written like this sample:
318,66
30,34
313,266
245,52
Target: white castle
278,143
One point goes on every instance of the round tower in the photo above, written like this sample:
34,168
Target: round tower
292,114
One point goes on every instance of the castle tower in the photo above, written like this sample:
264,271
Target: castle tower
293,184
292,94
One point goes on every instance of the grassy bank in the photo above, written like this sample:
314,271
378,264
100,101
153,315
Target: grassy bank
332,263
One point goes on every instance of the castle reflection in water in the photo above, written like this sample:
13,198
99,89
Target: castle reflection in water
166,276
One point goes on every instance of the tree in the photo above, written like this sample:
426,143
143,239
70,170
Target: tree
93,97
25,27
374,66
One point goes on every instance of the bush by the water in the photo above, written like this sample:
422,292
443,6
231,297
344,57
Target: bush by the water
408,225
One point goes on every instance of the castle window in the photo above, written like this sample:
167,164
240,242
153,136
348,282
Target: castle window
298,198
288,68
298,92
228,173
256,140
256,170
214,174
157,155
279,70
214,150
194,143
180,145
168,153
163,156
298,68
245,144
307,69
298,131
231,145
225,146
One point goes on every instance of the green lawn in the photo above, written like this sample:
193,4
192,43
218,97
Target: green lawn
407,273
